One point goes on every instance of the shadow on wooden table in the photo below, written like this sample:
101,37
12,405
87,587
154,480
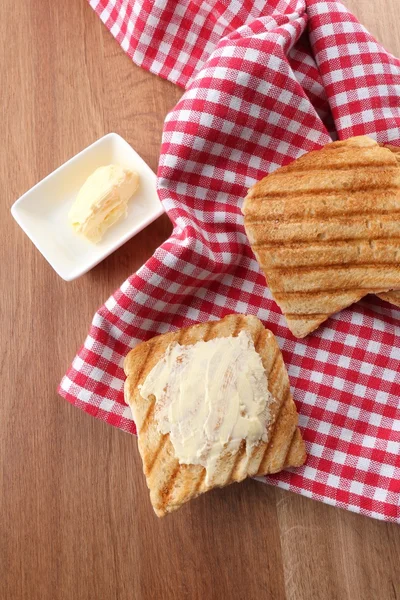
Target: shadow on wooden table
131,256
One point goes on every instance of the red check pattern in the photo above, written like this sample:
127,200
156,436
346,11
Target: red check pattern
265,82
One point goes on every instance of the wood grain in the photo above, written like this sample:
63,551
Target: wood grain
75,519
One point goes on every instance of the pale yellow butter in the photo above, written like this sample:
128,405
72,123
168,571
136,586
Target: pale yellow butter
210,397
102,201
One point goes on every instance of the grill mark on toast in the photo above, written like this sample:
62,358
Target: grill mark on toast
134,378
285,460
200,480
286,398
298,443
328,267
279,194
255,459
280,296
298,244
166,492
274,364
260,470
330,219
238,326
304,166
257,340
148,416
207,332
307,316
151,463
239,455
268,217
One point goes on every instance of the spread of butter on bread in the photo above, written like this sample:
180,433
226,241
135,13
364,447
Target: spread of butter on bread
210,396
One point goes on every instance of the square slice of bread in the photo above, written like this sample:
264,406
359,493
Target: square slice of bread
172,484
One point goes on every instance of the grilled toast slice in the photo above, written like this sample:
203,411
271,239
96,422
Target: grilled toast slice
325,229
172,484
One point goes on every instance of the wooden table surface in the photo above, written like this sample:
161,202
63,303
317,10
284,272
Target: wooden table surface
75,518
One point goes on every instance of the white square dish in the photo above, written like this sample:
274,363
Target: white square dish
42,212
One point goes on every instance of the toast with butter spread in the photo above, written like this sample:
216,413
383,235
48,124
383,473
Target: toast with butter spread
171,484
325,229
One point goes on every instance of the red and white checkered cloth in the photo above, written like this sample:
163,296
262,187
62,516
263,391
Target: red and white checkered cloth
265,82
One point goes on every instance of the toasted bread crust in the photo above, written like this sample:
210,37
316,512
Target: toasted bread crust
393,297
172,484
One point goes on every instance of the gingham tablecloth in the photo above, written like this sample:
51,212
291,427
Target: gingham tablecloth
265,82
